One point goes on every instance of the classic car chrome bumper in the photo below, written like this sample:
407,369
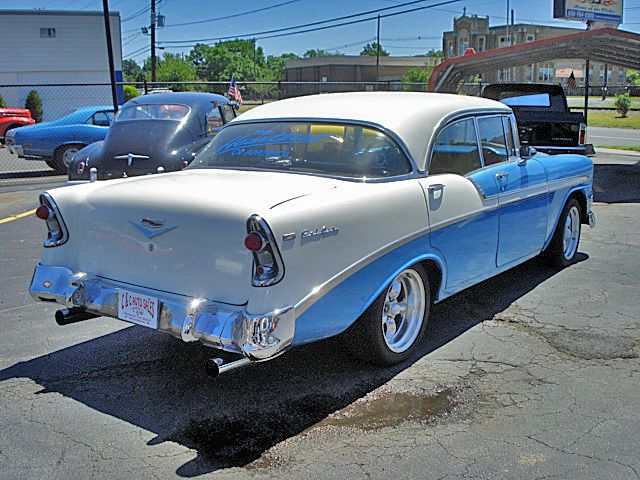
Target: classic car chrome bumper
227,327
592,220
15,149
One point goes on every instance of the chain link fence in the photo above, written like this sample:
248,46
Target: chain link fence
61,100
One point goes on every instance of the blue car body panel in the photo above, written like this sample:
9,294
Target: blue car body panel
469,251
42,139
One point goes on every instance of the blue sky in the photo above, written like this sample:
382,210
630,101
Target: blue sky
407,34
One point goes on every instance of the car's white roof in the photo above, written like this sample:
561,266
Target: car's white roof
411,116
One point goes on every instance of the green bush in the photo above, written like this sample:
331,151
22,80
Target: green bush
623,103
130,92
3,104
34,105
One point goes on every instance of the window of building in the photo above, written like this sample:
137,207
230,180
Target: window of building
47,33
545,72
492,140
530,38
456,149
620,76
481,44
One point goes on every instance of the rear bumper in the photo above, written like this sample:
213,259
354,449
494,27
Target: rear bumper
227,327
586,149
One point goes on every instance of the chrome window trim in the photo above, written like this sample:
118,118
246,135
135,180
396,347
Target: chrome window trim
451,118
414,173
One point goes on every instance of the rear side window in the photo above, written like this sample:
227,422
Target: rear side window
492,140
456,149
102,119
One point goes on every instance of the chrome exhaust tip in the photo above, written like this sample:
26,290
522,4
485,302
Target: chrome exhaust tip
216,366
67,316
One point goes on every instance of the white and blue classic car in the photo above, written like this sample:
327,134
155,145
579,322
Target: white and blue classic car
313,216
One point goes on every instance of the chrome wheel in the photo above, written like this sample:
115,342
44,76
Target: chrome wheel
68,154
571,233
403,311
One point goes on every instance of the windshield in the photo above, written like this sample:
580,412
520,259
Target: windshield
153,112
328,149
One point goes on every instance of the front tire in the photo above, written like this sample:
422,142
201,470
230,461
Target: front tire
389,331
63,156
563,248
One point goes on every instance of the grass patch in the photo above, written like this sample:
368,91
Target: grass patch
633,148
599,118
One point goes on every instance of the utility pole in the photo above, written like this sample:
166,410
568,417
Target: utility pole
378,52
507,33
153,40
112,72
586,89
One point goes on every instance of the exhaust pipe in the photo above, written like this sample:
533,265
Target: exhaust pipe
215,366
67,316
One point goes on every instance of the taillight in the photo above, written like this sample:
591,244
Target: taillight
80,168
48,211
268,268
43,212
184,164
254,241
583,134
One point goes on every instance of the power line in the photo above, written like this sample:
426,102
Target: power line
312,24
248,12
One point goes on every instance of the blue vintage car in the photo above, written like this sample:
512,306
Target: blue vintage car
56,142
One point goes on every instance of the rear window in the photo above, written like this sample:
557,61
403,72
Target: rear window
153,112
328,149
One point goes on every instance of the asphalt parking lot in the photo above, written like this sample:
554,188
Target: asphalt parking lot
532,374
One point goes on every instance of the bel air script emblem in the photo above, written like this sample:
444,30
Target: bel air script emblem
317,233
152,228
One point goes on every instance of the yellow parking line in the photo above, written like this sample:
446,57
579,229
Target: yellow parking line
20,215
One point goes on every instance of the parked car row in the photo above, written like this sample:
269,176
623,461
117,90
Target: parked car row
305,218
159,130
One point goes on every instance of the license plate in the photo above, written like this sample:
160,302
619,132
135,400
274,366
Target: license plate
136,308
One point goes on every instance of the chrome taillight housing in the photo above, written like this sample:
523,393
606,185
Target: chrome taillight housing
57,233
583,134
268,268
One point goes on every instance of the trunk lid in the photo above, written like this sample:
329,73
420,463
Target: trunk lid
181,232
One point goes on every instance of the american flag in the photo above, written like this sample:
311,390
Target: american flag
234,91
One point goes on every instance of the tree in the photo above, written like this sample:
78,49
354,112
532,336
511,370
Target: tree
316,52
172,67
623,103
131,71
434,54
633,77
3,104
416,75
225,59
130,92
34,105
371,49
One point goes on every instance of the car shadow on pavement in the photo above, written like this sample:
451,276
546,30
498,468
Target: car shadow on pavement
616,183
157,383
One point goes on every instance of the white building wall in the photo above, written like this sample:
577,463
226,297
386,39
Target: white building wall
76,54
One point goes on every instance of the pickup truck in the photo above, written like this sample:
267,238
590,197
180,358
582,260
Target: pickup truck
545,122
13,118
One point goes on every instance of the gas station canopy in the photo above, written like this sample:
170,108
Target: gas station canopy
606,45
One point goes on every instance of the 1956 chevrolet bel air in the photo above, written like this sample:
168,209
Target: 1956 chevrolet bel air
313,216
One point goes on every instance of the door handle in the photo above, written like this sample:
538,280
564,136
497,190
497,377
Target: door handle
435,187
502,175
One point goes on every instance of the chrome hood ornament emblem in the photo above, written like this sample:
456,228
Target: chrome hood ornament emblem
151,227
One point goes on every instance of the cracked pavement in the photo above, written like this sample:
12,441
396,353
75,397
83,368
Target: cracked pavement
532,374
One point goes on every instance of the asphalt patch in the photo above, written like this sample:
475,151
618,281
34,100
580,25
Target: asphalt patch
590,346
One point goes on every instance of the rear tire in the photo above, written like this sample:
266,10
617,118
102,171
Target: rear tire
63,156
563,249
389,331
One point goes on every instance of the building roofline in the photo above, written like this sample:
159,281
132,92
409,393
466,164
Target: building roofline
71,13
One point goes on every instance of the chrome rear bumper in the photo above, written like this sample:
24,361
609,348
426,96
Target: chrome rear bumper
227,327
592,220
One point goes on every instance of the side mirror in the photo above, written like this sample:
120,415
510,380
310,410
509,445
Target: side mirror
526,152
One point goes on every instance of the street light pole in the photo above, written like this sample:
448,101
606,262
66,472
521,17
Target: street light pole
112,71
153,40
378,52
